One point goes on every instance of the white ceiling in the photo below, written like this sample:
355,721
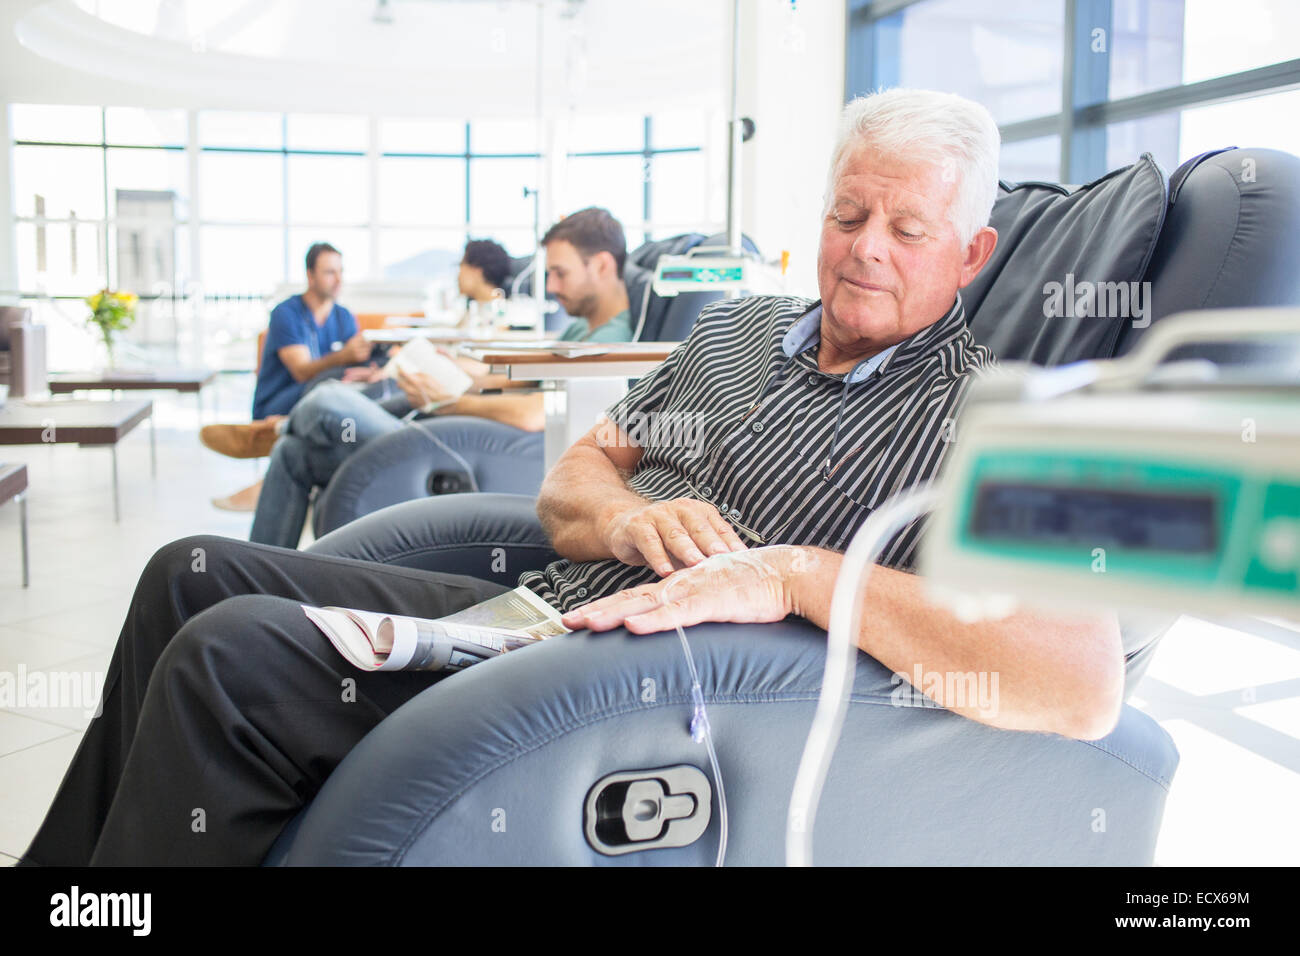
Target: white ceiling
453,58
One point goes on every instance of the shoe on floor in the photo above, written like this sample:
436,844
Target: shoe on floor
240,441
245,499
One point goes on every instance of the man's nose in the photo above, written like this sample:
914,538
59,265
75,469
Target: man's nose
870,241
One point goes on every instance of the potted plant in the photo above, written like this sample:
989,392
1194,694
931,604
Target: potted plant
111,312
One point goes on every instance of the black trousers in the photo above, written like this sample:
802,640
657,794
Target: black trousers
225,708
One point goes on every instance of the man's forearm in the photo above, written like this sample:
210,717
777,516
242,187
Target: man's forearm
581,495
521,411
306,371
1056,674
497,380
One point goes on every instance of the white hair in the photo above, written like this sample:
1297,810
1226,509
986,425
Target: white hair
925,127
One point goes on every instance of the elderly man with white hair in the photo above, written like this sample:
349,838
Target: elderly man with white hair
818,412
222,695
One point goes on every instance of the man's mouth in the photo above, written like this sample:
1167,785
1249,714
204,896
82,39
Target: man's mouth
864,285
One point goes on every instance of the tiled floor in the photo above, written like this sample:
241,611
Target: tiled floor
1230,699
84,569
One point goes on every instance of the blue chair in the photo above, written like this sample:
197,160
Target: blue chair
503,763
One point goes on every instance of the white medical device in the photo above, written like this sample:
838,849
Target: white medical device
1151,482
704,268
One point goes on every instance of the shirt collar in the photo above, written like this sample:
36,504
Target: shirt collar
806,332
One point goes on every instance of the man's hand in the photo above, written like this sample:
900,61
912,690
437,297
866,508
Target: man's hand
666,535
743,588
359,373
356,350
421,389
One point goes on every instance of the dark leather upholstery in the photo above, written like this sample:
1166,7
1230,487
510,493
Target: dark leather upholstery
526,735
1104,232
529,733
1231,236
427,457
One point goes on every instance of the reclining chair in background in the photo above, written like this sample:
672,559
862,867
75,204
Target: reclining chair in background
458,453
22,352
500,763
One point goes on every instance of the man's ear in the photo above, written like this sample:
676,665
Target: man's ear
606,267
977,255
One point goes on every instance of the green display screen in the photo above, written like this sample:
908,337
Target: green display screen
702,274
1069,515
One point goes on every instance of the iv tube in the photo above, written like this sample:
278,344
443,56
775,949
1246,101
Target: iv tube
841,662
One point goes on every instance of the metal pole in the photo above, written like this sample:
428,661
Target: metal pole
539,253
117,508
734,140
22,521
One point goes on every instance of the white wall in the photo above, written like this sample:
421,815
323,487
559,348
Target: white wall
8,255
792,86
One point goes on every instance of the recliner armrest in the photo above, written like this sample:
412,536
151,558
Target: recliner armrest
493,765
495,537
398,466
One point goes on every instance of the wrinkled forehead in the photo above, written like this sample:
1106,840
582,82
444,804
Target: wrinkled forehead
920,184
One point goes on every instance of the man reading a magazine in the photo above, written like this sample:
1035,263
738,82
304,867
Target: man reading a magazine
222,695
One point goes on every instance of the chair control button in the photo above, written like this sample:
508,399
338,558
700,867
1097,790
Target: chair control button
635,810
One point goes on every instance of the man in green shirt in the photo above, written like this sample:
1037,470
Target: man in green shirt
585,254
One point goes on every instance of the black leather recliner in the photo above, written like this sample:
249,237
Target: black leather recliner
494,765
451,453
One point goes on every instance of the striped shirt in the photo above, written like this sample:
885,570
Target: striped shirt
740,416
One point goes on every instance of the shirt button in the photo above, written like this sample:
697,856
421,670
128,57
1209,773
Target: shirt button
706,491
582,592
756,427
812,378
735,513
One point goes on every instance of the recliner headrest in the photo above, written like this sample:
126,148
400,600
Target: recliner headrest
1066,260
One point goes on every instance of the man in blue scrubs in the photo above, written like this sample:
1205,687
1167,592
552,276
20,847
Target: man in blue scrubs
310,336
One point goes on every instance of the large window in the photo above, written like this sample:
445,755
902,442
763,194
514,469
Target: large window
208,211
1079,87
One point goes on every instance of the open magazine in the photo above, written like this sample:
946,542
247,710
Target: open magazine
373,641
418,355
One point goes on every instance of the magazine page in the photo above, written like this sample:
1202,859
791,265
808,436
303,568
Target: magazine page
347,638
517,610
374,641
419,355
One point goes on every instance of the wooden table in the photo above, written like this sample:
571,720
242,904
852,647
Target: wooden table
449,336
13,487
82,422
581,379
125,380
